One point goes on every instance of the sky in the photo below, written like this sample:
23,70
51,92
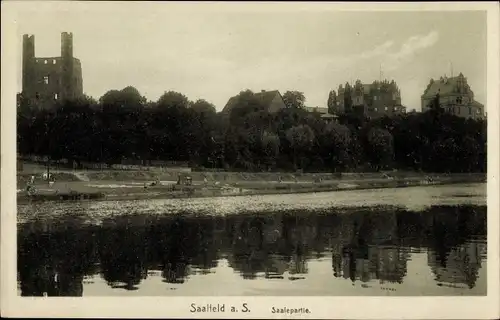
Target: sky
208,53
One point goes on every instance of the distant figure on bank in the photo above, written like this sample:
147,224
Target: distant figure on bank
32,180
280,179
51,181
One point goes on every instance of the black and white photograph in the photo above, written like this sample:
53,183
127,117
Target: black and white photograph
183,151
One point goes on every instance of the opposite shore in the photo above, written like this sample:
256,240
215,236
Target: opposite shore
135,185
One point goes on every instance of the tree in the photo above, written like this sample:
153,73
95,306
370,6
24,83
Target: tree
332,102
271,147
348,105
128,97
172,99
294,99
244,104
381,147
203,106
300,139
334,143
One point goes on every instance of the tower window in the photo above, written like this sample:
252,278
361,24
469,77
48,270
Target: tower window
46,80
56,96
54,61
385,108
45,62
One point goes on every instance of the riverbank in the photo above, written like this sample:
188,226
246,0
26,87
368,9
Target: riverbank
235,184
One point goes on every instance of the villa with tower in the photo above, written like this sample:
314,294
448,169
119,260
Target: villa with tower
455,97
381,98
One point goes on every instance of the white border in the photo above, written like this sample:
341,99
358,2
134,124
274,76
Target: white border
175,307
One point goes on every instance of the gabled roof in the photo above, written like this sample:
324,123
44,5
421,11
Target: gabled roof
444,86
266,97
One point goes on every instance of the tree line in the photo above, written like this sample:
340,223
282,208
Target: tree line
122,124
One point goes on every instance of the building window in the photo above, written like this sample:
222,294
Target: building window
376,109
470,110
375,98
46,80
45,62
54,61
385,108
56,96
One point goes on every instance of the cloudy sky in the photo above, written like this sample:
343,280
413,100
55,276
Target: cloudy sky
211,53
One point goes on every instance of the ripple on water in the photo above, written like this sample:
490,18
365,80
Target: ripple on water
415,198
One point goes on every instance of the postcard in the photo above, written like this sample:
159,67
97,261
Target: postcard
250,160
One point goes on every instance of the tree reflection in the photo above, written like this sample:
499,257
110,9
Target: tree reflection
364,245
53,261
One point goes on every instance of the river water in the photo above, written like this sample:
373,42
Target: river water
410,241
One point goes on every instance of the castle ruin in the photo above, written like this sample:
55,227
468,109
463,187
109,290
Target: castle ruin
49,80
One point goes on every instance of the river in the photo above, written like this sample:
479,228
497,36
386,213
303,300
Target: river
408,242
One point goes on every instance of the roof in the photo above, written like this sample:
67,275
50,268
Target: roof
328,116
367,88
317,109
477,104
443,86
266,98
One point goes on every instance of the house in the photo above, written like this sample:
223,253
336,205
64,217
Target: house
381,98
455,97
271,100
324,114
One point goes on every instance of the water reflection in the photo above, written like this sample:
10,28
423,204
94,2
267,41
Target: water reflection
359,245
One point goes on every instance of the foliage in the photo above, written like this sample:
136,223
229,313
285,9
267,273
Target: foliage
122,125
294,99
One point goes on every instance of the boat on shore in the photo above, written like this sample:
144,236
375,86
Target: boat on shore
60,196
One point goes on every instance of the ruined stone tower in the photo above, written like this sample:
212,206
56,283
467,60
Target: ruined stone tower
49,80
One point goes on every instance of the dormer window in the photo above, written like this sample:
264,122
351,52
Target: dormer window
46,80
